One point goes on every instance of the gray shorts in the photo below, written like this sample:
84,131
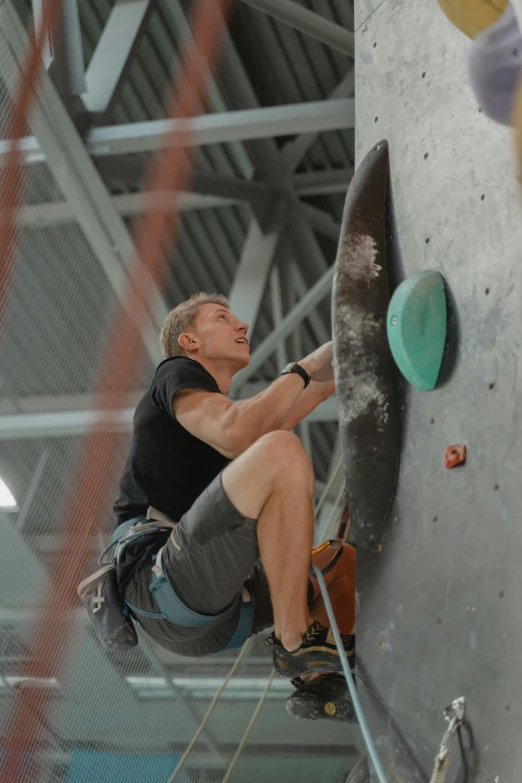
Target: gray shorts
211,553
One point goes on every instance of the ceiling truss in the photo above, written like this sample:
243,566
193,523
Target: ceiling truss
281,244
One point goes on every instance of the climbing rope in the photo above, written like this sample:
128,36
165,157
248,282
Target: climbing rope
372,752
210,710
249,728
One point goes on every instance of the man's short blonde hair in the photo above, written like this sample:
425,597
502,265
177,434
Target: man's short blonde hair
181,318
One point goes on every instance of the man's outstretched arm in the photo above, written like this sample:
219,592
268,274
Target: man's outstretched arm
231,427
308,400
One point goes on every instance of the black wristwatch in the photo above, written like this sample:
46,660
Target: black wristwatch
295,367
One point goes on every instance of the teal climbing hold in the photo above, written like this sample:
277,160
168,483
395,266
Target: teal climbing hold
416,323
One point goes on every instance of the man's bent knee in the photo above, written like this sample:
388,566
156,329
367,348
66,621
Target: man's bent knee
286,456
279,441
272,463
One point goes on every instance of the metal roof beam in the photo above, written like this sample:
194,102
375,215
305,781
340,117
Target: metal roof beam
77,176
129,170
229,126
114,54
210,184
127,204
72,423
318,183
216,100
60,403
223,127
307,22
259,251
295,150
268,159
322,222
321,332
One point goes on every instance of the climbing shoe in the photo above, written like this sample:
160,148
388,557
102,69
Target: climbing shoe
327,697
316,653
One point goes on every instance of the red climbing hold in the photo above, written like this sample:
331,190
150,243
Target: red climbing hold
455,455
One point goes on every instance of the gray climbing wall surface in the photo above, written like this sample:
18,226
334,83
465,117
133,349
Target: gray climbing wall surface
440,612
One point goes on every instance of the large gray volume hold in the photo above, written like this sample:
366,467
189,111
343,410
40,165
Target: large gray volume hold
366,377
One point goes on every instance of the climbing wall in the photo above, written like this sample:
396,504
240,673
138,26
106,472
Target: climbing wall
440,612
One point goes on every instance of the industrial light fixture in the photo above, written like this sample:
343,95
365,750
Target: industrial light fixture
243,688
6,496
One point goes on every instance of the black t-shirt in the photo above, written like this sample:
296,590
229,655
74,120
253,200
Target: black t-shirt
167,467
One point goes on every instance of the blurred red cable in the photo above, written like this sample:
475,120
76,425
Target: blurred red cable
11,192
101,457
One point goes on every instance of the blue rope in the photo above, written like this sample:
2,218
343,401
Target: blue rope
372,751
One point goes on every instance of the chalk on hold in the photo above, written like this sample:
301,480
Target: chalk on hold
416,326
455,455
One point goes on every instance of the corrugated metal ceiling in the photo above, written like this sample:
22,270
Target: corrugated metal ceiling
284,67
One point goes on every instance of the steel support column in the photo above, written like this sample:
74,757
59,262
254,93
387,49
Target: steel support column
114,54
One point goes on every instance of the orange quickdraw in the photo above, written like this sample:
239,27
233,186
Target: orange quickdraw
340,535
318,549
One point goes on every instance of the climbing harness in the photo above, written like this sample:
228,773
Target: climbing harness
110,614
455,715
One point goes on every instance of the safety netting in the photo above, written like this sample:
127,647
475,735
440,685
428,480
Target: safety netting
69,710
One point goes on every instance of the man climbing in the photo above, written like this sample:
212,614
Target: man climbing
240,486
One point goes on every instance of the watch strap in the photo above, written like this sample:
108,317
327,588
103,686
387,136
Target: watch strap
294,367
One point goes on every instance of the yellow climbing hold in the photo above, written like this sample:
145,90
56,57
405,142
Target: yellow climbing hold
329,708
473,16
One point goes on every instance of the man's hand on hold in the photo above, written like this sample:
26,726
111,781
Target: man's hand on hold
319,364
